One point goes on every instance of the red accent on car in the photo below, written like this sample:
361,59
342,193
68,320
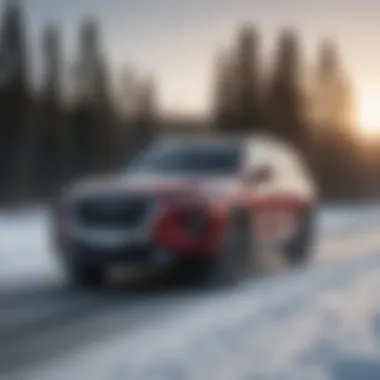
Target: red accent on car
171,232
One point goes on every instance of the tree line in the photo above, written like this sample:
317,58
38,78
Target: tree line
73,120
70,122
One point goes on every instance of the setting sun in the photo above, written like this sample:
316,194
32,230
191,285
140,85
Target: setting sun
369,113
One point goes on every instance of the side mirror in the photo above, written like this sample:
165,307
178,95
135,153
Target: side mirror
258,176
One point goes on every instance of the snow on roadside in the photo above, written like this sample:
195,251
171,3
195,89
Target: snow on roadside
332,220
281,329
25,254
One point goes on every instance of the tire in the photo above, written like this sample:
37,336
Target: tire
86,275
298,250
234,262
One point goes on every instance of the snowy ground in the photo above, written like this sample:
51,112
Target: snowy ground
319,323
337,219
25,254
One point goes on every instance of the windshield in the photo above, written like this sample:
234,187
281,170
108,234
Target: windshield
211,159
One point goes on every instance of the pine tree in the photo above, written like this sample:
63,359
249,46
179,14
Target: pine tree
50,135
334,95
14,98
249,114
285,106
52,64
128,94
341,166
88,61
146,111
106,134
225,111
14,71
93,125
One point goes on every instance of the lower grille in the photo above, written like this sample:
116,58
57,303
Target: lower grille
113,212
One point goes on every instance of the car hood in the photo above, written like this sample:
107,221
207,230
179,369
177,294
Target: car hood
155,185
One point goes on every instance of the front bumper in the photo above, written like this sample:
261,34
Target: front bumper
161,239
134,247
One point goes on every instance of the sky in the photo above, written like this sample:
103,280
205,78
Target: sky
177,40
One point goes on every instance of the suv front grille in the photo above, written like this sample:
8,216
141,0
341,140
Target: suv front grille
113,212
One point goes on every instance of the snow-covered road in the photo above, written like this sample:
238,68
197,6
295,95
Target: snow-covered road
322,322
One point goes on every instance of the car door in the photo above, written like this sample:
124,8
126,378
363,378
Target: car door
293,190
273,183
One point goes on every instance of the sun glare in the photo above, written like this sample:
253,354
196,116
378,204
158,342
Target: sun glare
369,113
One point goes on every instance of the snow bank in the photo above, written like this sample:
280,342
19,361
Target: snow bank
25,253
333,220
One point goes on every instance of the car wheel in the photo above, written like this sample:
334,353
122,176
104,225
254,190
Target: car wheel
298,250
234,262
